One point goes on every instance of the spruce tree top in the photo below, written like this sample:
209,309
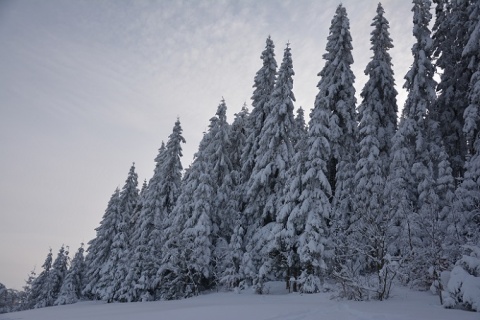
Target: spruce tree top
379,94
339,44
336,94
419,79
265,78
284,86
264,83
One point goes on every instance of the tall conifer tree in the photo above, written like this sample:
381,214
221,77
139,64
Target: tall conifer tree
71,290
189,253
467,200
450,36
420,184
377,125
39,287
159,199
302,219
336,101
99,248
273,159
142,266
56,276
119,253
230,201
470,54
264,83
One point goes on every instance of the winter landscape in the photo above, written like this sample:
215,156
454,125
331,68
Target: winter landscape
362,211
278,304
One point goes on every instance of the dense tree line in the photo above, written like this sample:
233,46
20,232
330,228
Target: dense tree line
354,198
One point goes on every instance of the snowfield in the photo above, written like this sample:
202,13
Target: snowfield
404,305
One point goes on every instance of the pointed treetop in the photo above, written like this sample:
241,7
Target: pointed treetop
264,80
379,104
222,110
268,52
419,80
421,20
132,177
284,84
132,168
300,115
144,187
300,120
176,134
161,151
380,36
339,42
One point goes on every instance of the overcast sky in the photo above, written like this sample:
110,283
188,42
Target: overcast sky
88,87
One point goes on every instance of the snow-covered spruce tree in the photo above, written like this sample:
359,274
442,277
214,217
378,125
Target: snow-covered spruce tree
467,202
238,137
56,276
300,127
450,36
337,97
409,142
71,290
266,184
439,248
286,238
284,243
143,282
188,264
369,232
46,286
435,195
143,261
197,237
306,208
264,83
343,119
39,285
139,207
463,287
4,306
467,195
470,53
219,156
171,171
420,184
8,299
229,201
207,230
129,198
172,274
115,268
308,220
98,251
25,296
134,221
301,229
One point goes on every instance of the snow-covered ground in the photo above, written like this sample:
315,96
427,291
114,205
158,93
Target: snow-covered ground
404,305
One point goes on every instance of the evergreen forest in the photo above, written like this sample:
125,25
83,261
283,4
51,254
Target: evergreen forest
356,199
